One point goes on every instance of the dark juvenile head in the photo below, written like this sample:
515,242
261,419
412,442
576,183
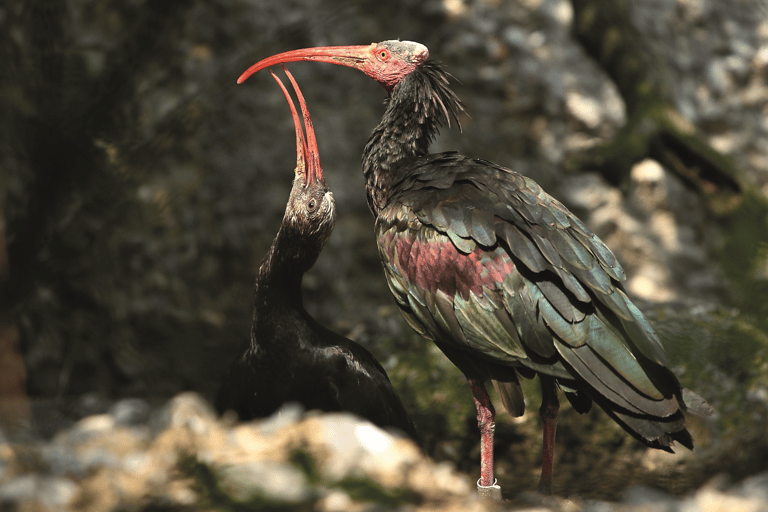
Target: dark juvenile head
387,62
311,210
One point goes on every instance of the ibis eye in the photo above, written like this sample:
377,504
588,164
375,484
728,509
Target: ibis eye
383,55
312,203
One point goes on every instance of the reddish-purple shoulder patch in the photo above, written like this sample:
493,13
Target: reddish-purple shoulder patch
436,266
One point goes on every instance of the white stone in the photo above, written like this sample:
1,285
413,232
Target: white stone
587,110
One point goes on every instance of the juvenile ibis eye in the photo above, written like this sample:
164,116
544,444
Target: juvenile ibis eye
312,203
383,54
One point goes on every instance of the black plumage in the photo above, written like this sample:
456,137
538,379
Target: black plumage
500,275
291,357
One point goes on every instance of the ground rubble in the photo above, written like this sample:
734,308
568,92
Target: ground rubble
183,456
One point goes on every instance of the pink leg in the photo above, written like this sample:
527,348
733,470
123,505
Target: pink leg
548,412
485,420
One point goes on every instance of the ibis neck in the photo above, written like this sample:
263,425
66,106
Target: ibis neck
278,285
415,111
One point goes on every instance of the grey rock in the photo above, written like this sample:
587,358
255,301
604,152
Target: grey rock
130,411
266,480
54,493
185,410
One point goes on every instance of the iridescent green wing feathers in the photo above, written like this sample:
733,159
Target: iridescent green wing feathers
480,257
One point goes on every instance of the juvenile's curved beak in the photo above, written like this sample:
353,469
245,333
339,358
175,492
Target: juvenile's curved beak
307,153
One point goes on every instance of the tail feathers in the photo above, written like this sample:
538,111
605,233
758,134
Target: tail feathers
652,431
511,396
695,404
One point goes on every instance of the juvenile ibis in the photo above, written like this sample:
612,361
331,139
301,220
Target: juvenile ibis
500,275
291,357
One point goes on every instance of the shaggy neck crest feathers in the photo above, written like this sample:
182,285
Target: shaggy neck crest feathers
418,106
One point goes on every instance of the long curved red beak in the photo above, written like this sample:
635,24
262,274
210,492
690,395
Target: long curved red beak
307,154
351,56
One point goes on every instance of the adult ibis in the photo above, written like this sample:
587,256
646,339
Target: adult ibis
501,276
291,357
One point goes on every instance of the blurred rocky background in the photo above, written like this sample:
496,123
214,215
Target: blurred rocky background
140,188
